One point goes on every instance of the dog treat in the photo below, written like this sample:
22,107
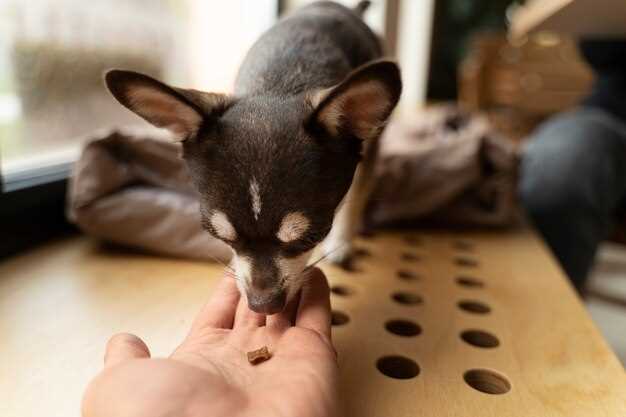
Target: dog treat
257,356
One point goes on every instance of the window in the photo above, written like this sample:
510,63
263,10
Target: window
53,54
52,98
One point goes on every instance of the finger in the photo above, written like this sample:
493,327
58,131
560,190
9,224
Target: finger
219,311
246,317
314,308
285,318
124,346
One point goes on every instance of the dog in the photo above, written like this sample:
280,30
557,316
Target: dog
286,160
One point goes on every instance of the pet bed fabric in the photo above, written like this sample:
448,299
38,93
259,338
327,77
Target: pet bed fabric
131,187
445,167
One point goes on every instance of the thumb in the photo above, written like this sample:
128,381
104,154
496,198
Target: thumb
124,346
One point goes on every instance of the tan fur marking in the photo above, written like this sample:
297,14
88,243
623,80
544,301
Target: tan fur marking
292,227
222,226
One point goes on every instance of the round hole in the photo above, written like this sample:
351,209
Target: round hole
407,275
480,338
408,298
487,381
403,327
410,257
468,262
475,307
338,318
362,253
413,240
398,367
341,290
463,245
469,282
348,264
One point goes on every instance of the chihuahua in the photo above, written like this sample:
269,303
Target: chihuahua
285,162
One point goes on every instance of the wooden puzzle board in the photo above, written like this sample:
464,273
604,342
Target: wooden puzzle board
60,303
468,325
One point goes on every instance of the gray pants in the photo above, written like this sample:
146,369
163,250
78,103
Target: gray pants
573,181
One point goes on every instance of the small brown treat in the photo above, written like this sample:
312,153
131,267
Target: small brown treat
257,356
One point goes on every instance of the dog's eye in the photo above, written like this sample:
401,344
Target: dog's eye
228,242
294,249
291,251
212,232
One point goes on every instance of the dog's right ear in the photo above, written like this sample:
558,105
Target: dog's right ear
180,111
361,104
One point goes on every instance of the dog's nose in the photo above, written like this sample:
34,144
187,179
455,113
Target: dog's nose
267,303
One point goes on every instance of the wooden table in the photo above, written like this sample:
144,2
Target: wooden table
431,324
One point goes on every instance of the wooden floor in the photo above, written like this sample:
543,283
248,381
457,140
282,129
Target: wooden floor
476,325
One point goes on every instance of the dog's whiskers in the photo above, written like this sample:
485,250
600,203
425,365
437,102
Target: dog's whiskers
304,274
231,275
326,255
225,265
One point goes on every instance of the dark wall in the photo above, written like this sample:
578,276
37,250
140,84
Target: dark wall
455,22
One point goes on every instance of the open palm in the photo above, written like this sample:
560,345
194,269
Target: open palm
209,373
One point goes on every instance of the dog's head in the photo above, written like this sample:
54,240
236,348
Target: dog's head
270,170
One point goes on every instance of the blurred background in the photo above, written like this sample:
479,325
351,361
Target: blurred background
53,55
458,53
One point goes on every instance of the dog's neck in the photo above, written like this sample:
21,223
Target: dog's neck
313,48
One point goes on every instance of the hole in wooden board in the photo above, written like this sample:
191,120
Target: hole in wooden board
367,233
362,253
410,257
480,338
476,307
403,327
398,367
463,245
341,290
413,240
487,381
338,318
407,298
469,282
466,262
348,264
407,275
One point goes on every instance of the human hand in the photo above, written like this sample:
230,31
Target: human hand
209,374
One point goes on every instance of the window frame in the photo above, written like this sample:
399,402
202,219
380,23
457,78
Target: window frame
33,215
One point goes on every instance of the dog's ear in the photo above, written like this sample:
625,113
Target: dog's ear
180,111
360,105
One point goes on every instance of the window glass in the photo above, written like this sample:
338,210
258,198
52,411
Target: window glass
53,54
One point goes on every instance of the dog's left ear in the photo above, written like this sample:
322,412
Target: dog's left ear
360,105
181,111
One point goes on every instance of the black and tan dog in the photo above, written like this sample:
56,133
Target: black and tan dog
286,158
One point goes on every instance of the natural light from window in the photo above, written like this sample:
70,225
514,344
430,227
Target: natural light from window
53,54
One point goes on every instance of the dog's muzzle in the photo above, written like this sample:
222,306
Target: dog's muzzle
268,304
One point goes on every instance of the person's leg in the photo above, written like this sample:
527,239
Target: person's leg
572,178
